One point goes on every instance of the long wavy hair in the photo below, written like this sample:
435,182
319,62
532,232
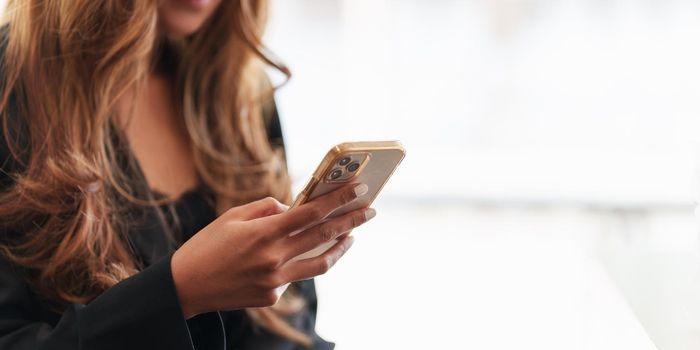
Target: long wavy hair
66,64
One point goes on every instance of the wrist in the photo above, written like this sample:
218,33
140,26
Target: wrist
185,287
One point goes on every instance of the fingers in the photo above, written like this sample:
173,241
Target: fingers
309,268
260,208
310,213
326,232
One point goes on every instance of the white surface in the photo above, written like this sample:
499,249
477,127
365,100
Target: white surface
421,277
552,145
654,259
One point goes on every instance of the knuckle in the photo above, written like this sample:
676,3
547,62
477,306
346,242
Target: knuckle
344,249
357,220
326,232
272,281
270,202
271,262
268,298
230,224
316,213
346,196
324,265
230,212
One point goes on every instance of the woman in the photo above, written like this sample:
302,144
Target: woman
130,127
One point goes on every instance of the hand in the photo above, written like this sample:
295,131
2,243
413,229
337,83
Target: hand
239,259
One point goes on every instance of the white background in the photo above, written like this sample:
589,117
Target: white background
546,200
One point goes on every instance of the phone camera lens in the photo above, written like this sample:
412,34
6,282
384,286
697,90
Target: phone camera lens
335,174
345,161
353,167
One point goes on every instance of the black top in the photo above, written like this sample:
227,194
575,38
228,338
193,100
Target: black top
141,312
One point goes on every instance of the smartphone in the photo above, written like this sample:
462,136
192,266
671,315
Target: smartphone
369,162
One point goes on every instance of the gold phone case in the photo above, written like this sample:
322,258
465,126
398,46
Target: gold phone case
376,162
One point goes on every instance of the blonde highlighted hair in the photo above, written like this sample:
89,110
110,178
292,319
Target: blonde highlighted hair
65,65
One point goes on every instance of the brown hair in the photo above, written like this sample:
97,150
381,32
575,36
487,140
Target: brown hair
66,63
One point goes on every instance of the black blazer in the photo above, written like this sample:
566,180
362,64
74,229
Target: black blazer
141,312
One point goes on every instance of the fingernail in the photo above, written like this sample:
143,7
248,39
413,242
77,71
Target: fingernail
361,190
369,214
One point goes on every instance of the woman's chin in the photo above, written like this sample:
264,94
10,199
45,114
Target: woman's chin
181,27
179,20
